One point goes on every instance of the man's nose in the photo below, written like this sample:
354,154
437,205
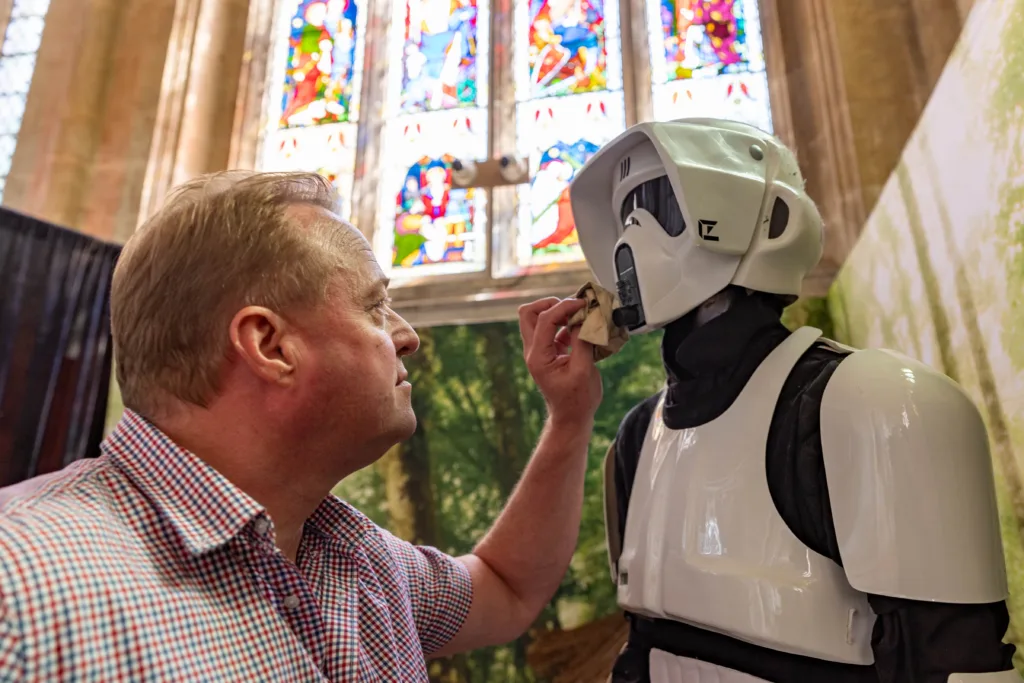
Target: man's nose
405,338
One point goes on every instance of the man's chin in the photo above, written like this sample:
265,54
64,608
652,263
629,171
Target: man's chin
409,425
403,428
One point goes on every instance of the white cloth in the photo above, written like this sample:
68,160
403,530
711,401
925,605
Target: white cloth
596,323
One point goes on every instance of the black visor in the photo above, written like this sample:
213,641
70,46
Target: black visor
657,198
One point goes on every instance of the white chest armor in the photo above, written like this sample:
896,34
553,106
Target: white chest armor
705,545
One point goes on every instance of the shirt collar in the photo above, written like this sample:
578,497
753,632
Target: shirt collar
335,519
201,505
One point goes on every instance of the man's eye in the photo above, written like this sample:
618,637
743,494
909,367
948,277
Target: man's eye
383,303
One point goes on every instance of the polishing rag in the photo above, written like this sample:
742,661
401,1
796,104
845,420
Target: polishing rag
596,323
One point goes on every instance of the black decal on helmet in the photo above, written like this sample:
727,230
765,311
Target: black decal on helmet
704,229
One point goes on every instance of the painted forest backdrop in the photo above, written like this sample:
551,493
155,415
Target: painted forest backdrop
939,269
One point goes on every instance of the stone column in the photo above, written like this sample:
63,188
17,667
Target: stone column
821,132
893,52
858,75
938,25
252,84
89,117
200,86
964,8
5,16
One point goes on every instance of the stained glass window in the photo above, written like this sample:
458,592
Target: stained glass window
568,74
17,63
329,150
707,59
443,55
320,71
425,225
318,66
436,114
559,135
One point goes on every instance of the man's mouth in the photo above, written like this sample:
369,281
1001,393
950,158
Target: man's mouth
402,377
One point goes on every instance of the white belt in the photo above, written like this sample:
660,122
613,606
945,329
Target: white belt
668,668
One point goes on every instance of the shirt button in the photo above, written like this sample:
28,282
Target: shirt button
262,525
291,602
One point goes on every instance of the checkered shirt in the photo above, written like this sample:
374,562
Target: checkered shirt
146,564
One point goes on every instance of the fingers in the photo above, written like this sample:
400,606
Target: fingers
542,344
582,352
528,314
564,336
563,340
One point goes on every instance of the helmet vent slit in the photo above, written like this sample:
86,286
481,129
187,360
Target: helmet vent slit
779,220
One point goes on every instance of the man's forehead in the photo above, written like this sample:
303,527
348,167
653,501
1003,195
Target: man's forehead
333,233
370,270
309,216
358,270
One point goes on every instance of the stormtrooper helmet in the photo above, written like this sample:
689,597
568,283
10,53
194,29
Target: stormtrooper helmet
669,214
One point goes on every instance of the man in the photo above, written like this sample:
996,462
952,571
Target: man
260,363
787,509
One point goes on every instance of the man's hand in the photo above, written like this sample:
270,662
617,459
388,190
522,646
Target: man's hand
561,364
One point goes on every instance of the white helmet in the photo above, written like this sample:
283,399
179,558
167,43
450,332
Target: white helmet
672,213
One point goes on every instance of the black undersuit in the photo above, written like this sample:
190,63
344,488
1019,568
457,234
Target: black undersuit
707,367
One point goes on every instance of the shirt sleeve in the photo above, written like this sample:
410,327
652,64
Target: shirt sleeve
11,655
440,589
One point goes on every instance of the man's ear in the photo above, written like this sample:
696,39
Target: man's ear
262,340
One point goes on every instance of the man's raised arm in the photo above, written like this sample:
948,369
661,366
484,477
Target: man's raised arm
519,564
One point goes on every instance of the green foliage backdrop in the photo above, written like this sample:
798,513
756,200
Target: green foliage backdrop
937,273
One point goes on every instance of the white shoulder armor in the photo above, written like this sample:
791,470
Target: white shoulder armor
910,481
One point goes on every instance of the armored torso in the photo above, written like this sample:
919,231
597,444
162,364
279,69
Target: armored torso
705,545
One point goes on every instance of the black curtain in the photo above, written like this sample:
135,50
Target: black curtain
55,348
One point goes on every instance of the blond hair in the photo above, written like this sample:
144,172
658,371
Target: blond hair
220,242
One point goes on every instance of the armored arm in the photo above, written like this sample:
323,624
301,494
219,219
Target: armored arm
912,498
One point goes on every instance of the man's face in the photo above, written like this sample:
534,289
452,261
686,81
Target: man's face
352,385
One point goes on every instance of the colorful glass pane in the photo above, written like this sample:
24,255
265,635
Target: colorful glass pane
707,59
433,228
328,150
738,97
568,70
321,78
704,38
443,55
559,135
566,47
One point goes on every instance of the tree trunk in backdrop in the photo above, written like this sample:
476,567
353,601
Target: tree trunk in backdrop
406,467
928,276
407,481
501,353
502,350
